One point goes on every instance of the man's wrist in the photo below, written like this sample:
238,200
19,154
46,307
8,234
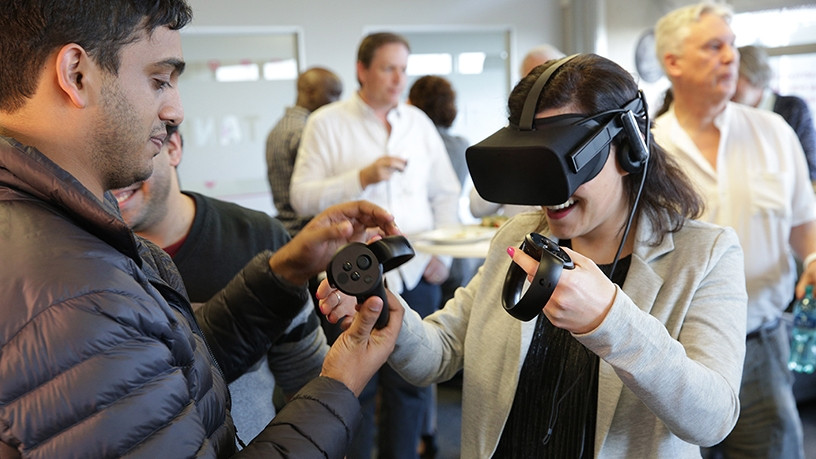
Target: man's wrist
364,182
285,271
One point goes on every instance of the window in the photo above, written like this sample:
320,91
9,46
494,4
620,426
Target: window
789,35
236,86
476,62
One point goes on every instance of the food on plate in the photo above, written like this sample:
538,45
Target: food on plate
493,221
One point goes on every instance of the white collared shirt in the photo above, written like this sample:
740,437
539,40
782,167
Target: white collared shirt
342,138
760,187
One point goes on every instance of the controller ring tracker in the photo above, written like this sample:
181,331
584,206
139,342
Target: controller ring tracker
552,260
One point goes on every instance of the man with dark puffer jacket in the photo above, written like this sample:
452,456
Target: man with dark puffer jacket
210,241
101,354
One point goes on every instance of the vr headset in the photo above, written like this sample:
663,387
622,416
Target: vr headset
543,161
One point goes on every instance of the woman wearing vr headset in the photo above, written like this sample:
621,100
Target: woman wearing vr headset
638,351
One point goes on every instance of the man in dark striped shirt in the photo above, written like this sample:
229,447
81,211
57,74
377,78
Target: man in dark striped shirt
316,87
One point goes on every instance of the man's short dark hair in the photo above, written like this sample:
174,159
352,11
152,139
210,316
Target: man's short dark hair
372,42
30,30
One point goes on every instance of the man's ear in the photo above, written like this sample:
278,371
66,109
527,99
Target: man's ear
73,69
670,64
173,146
360,70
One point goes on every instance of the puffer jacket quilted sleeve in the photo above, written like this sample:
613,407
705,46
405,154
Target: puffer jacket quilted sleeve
241,321
317,422
91,350
100,353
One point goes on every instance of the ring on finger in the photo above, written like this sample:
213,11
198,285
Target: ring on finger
339,298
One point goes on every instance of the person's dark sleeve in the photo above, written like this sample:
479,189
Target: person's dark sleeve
796,112
806,132
242,320
318,422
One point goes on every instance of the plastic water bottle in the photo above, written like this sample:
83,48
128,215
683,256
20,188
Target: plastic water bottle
803,341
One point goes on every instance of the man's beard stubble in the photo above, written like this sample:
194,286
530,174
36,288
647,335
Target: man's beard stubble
117,148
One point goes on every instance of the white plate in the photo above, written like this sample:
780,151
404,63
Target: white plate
457,235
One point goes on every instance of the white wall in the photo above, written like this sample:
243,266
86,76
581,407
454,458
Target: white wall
330,31
329,34
333,29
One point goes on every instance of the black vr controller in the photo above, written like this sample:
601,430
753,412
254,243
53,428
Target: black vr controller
357,269
552,260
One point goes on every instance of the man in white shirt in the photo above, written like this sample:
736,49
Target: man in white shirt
749,166
374,147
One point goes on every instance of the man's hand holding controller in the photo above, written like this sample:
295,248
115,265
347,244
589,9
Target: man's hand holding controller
358,353
361,350
313,247
357,269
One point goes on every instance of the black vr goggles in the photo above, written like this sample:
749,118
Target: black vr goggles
543,161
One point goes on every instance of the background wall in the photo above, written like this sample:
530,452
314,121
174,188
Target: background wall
333,29
327,33
226,130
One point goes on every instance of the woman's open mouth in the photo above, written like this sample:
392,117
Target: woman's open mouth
560,210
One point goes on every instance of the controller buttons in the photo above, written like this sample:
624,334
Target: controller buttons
342,278
357,269
363,262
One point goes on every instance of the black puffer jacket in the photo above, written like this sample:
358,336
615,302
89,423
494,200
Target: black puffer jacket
101,354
